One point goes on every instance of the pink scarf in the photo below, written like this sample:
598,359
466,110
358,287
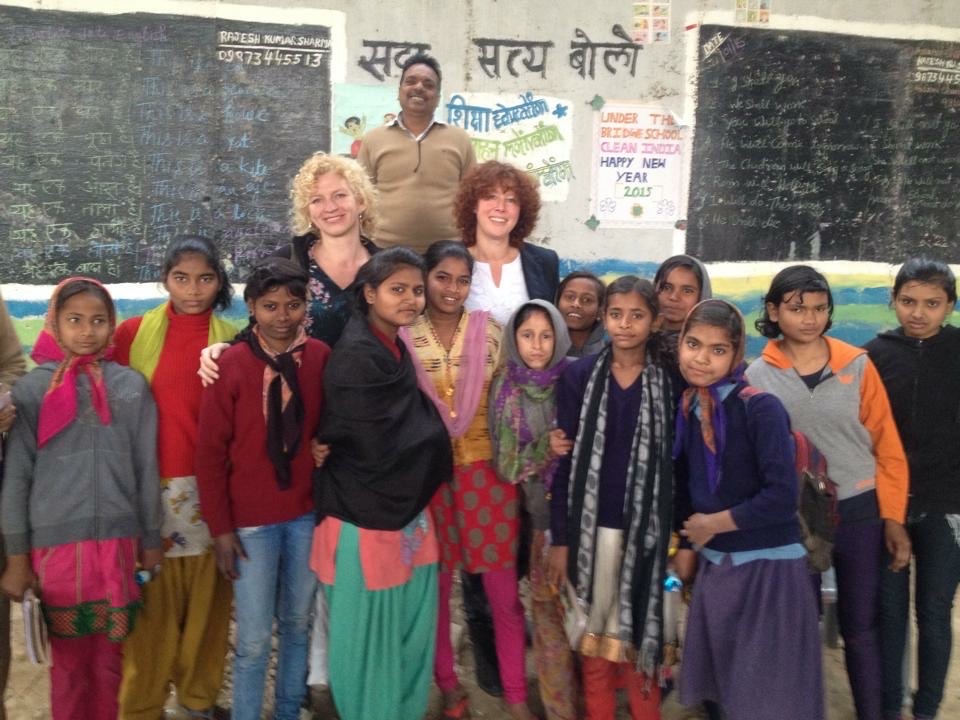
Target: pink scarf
59,406
470,375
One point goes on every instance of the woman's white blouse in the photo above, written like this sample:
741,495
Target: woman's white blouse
500,301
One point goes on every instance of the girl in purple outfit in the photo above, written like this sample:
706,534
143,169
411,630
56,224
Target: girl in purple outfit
736,497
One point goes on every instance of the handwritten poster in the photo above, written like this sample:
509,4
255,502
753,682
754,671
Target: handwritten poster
530,131
637,166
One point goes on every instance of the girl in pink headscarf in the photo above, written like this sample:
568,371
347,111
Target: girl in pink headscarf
81,497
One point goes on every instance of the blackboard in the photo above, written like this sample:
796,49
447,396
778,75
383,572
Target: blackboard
824,146
118,132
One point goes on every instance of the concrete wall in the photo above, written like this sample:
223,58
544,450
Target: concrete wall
663,76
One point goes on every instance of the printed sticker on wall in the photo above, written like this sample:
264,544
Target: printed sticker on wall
357,109
753,11
530,131
637,166
651,22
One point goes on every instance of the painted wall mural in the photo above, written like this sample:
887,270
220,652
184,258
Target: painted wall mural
533,132
861,294
357,109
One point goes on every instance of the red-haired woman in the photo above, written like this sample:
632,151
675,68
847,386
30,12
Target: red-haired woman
496,210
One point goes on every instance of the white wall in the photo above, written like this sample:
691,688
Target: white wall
664,75
663,71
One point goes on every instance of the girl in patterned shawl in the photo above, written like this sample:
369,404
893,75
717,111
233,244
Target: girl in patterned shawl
477,515
523,409
611,504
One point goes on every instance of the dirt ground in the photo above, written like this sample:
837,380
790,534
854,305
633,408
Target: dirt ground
28,688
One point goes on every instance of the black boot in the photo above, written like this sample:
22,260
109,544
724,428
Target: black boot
476,609
714,711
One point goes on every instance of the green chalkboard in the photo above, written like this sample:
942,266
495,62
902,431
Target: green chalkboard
824,146
118,132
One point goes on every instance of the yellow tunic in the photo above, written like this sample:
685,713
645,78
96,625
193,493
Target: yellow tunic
442,367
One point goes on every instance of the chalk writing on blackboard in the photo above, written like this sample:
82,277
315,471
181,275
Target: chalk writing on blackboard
268,49
824,146
121,131
935,70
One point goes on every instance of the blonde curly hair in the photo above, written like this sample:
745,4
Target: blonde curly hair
356,178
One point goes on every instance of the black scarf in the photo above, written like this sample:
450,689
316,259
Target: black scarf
389,448
648,506
284,423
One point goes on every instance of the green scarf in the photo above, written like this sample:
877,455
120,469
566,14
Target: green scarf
146,346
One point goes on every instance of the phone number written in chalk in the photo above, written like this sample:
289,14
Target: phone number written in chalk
270,58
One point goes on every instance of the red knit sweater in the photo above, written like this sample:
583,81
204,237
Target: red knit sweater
176,386
237,482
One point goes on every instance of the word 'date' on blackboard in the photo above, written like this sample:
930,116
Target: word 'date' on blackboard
118,132
824,147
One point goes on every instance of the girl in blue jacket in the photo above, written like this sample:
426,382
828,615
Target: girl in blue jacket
736,497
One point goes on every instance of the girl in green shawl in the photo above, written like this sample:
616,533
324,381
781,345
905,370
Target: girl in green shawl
522,414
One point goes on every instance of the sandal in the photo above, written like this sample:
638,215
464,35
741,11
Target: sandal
460,710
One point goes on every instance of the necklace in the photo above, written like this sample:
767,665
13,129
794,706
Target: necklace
446,361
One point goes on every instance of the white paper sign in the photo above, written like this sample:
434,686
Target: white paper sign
637,166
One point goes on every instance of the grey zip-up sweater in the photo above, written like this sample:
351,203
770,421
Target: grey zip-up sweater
90,481
594,344
848,417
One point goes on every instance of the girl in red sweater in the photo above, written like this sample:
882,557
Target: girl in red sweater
181,633
254,470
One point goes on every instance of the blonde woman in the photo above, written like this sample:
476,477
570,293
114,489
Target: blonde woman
333,215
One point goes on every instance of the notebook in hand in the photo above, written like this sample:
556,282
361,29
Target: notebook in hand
35,630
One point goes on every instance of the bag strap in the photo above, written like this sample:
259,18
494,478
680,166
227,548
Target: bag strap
801,444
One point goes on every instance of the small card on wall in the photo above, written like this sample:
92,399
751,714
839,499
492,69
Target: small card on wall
753,11
651,22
